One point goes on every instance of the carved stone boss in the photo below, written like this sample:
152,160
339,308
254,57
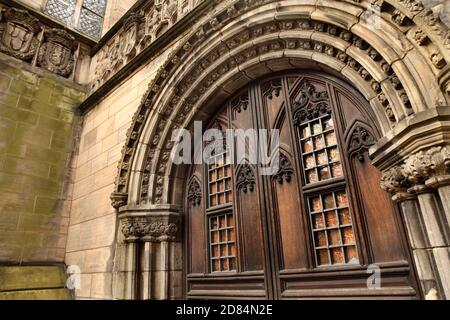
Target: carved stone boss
56,54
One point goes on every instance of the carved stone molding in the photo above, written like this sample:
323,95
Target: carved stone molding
56,53
150,228
245,180
18,31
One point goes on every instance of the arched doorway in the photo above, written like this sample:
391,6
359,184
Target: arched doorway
314,228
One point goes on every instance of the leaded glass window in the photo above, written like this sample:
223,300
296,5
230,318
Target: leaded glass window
62,10
86,15
331,223
222,243
91,17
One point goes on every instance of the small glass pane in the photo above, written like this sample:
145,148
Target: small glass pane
214,237
315,204
323,257
328,201
322,158
319,142
331,138
309,161
337,255
212,201
214,224
232,250
317,128
305,132
344,217
334,238
348,235
224,263
324,173
223,236
342,200
232,262
307,146
311,176
336,170
333,154
328,124
216,265
223,251
215,251
351,256
321,239
331,219
318,221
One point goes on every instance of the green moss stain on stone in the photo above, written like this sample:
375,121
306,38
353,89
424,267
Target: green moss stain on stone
38,115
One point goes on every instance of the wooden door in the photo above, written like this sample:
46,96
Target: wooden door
312,229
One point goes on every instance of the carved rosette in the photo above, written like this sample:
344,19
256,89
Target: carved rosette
56,53
150,228
18,31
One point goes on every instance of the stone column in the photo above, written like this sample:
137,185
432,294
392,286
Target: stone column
425,176
149,236
397,184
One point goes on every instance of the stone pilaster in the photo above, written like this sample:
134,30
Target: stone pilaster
424,176
150,237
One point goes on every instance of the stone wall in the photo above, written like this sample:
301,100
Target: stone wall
38,116
93,222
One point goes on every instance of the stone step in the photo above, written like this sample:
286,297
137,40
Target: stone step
33,283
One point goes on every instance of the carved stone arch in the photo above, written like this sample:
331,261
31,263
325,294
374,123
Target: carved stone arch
313,36
359,138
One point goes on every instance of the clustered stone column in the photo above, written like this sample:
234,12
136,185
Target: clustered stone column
151,241
421,186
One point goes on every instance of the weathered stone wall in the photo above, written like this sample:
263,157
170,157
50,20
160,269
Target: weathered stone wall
93,222
37,121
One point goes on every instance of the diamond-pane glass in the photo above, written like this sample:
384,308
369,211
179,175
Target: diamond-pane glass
96,6
90,23
62,10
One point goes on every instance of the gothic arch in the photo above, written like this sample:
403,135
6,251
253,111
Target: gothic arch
401,69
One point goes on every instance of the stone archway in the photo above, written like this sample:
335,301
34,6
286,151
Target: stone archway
401,69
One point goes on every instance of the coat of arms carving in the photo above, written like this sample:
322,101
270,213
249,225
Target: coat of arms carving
56,53
18,29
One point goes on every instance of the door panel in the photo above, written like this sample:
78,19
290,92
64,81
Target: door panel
312,229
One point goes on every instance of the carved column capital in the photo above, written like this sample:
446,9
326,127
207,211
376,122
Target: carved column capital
395,181
150,228
426,164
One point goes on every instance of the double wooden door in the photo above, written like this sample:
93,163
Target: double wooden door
320,226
